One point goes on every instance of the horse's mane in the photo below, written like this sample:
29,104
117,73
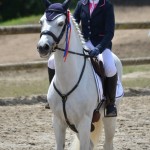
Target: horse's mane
77,29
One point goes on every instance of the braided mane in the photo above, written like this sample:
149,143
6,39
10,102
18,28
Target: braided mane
77,29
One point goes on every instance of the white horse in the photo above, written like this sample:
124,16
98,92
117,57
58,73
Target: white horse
72,94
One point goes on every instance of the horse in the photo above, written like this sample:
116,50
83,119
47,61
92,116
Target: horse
72,94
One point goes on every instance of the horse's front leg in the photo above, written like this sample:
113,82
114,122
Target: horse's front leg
84,129
60,131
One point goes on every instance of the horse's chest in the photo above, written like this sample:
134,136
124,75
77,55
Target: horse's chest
68,109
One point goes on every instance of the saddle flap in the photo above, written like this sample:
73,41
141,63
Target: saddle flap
99,69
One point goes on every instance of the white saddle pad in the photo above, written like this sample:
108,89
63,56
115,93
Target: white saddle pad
119,89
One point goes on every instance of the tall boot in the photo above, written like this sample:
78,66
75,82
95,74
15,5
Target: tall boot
111,82
51,73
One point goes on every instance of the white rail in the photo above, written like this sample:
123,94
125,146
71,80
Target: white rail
35,28
43,64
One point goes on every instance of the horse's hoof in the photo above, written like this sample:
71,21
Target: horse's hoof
92,127
47,106
96,116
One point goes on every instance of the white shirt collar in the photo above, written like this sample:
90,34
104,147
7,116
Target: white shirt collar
94,1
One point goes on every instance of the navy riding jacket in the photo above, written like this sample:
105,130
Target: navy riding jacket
100,26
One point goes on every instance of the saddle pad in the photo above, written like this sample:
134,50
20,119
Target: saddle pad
119,89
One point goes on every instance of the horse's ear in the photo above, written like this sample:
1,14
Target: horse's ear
66,4
47,3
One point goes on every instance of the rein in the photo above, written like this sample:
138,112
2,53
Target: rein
71,52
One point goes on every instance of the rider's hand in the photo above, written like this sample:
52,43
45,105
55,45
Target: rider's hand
94,52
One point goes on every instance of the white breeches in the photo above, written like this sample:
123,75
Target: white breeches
51,63
108,61
106,57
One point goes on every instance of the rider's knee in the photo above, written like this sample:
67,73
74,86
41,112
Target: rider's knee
51,63
109,63
110,70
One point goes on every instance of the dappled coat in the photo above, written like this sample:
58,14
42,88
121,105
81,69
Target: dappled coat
98,27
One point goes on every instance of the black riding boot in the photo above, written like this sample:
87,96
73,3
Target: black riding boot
51,73
111,82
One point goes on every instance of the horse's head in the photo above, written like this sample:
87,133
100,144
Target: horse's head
53,25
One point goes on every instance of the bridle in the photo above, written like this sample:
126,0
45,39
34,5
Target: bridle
56,39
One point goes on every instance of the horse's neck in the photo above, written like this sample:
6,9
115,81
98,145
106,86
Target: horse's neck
67,73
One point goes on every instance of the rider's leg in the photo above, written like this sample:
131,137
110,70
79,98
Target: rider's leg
111,82
51,73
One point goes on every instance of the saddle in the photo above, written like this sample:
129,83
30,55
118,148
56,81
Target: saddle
99,69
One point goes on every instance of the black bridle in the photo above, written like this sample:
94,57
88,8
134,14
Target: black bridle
56,39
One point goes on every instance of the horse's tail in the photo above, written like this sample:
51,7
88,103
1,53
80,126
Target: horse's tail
75,145
95,136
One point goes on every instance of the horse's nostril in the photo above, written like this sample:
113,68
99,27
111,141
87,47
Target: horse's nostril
46,47
39,47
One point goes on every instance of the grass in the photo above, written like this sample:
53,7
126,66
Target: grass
23,82
32,82
33,19
138,81
24,20
19,88
136,68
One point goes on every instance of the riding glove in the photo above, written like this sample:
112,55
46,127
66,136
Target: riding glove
94,52
97,50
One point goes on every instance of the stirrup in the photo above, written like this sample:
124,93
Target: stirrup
109,112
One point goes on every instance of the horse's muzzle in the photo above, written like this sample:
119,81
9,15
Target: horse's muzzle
43,50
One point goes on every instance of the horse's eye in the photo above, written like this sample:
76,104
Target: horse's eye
60,24
41,22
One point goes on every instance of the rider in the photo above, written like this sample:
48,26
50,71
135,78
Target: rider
98,24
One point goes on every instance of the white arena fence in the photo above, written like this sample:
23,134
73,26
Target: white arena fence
43,64
34,28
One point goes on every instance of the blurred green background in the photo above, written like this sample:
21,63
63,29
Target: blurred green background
10,9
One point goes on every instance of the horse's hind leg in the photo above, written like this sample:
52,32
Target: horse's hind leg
60,130
109,127
84,134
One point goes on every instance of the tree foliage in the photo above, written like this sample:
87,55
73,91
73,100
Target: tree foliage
18,8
